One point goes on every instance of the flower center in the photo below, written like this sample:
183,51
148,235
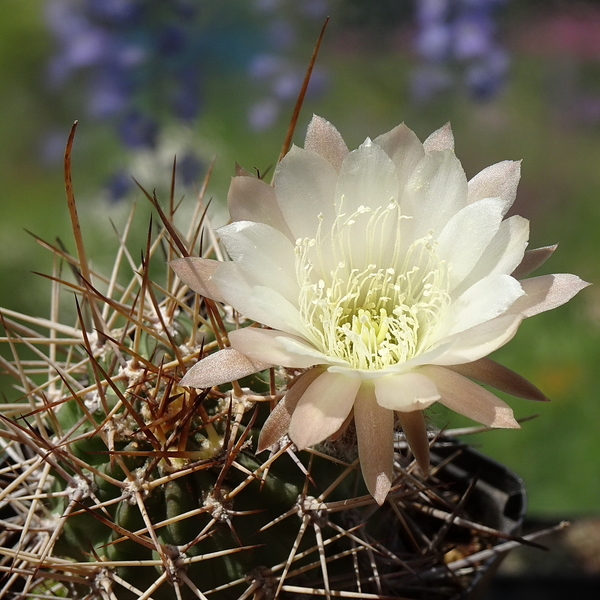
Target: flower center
365,297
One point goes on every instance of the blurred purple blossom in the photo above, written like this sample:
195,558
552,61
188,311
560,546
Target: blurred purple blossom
458,42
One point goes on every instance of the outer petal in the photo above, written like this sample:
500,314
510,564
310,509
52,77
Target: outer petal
375,433
467,398
196,273
440,139
221,367
415,432
259,303
533,259
267,345
323,408
305,186
497,181
547,292
276,426
404,148
322,137
405,392
251,199
466,236
264,255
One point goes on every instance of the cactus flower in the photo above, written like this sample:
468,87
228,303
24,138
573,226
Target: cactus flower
387,276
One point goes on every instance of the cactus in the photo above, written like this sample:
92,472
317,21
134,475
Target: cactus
119,483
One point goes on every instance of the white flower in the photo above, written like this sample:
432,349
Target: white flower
388,276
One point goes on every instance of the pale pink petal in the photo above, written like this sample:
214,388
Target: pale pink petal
268,345
324,138
415,432
196,273
375,433
469,399
305,186
465,237
503,253
405,392
251,199
221,367
441,139
489,372
475,343
487,299
497,181
532,259
323,408
367,178
259,303
404,148
547,292
276,426
264,255
436,190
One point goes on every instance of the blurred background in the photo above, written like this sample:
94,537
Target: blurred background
148,80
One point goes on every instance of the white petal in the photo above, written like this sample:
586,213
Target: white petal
497,181
322,137
258,303
436,190
488,298
367,178
477,342
466,236
469,399
547,292
375,433
269,346
221,367
404,148
196,273
251,199
305,186
503,253
405,392
441,139
264,255
533,259
323,408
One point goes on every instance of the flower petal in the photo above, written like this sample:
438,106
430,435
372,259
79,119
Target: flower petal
375,433
405,392
323,408
268,345
305,186
415,432
469,399
466,236
276,426
440,139
322,137
488,298
404,148
251,199
547,292
264,255
532,259
497,181
221,367
489,372
196,274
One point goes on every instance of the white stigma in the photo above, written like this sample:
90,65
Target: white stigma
365,297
